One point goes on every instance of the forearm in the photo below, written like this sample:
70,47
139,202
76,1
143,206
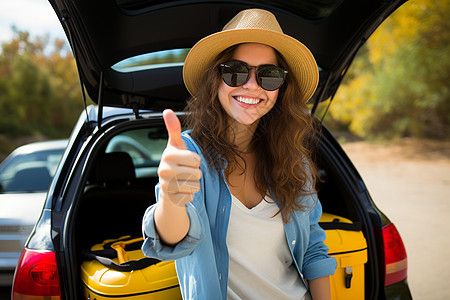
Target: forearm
171,221
320,288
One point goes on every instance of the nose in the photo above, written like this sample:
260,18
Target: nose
251,83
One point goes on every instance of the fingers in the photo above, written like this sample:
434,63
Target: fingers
169,172
173,127
179,179
179,185
179,157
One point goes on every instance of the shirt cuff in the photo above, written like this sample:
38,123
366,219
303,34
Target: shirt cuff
320,268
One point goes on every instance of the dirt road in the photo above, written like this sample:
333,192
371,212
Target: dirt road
410,182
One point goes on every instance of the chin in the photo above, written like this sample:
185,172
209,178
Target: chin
246,121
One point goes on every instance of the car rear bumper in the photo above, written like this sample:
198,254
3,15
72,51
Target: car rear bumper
399,291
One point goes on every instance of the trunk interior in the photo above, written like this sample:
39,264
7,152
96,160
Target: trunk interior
120,186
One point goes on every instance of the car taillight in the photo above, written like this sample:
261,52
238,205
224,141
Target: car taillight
36,276
395,259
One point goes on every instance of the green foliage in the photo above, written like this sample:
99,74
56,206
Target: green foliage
398,85
39,88
6,147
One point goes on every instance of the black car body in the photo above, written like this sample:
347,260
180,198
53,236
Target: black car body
103,33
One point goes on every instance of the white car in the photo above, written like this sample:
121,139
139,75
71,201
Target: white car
25,176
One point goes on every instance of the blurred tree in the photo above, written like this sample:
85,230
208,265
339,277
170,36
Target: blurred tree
399,84
39,88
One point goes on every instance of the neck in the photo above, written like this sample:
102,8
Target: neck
241,135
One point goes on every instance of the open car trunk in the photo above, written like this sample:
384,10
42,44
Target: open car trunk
121,175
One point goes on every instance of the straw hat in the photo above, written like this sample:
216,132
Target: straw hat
252,26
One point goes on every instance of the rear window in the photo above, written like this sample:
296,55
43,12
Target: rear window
29,172
160,59
145,146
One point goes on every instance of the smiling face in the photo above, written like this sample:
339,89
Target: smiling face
246,104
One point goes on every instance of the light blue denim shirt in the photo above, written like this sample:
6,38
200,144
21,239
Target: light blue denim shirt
201,258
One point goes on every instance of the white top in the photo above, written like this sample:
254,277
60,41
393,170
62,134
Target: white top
261,265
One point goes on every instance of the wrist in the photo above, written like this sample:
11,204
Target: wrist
174,201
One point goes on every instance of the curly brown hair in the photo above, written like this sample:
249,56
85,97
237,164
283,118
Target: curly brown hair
284,139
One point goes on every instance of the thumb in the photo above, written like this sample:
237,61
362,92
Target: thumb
173,127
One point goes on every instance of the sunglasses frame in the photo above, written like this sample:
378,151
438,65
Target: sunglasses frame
249,68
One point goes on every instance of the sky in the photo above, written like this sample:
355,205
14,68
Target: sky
35,16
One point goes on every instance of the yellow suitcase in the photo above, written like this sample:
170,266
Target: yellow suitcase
106,278
118,269
348,245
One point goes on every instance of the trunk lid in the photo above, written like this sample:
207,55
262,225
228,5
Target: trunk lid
103,33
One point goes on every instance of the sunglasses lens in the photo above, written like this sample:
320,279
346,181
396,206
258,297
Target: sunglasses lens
234,73
270,77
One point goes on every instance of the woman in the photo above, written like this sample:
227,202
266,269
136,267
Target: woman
236,206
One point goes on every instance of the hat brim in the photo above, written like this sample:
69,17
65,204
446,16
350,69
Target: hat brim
297,56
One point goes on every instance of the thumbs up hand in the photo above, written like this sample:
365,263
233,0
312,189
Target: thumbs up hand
179,170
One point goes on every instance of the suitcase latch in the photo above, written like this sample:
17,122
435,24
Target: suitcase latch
348,276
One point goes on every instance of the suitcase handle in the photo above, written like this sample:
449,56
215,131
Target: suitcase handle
105,256
120,248
337,224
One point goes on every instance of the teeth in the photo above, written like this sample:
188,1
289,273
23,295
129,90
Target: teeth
247,100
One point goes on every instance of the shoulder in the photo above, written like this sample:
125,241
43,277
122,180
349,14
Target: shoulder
191,145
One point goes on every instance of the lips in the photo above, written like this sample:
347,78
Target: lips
247,100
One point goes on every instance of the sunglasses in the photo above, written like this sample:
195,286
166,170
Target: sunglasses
236,73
